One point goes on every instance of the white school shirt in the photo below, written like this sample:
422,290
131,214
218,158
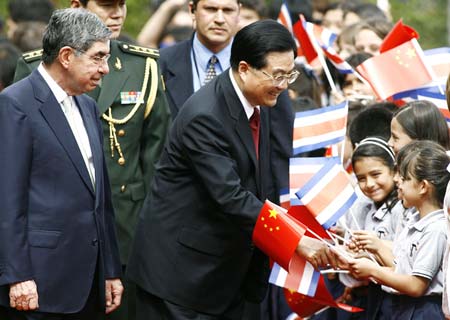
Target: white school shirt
419,250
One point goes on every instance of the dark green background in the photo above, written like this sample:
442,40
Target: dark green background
428,17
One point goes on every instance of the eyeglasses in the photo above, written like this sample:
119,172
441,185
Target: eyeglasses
97,59
278,80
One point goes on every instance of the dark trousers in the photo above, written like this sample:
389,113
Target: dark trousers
151,307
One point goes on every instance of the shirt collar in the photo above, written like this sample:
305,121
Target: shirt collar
57,91
431,217
248,108
203,54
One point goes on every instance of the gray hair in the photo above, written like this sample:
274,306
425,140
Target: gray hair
76,28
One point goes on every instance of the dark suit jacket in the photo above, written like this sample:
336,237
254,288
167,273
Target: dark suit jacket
55,227
176,68
193,245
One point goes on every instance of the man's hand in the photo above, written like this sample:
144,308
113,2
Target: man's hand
24,295
316,252
113,294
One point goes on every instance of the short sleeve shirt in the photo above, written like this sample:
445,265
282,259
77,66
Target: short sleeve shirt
419,250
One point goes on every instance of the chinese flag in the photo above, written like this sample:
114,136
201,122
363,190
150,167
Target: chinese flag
399,34
276,234
306,306
399,69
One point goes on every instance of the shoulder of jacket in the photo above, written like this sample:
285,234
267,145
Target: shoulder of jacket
138,50
31,56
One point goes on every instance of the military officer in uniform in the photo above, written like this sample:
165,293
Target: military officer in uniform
136,118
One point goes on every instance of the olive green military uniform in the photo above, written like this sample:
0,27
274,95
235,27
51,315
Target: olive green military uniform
136,119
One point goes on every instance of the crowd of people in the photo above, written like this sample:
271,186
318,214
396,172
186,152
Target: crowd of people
133,170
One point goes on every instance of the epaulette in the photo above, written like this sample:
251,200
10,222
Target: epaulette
32,55
140,51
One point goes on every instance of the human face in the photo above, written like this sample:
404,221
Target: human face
399,138
247,16
353,87
367,41
375,179
86,69
257,87
216,22
333,20
111,12
410,190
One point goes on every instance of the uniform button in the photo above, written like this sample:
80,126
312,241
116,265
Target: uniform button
94,242
123,188
121,133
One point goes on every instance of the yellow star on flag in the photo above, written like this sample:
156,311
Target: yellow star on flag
273,213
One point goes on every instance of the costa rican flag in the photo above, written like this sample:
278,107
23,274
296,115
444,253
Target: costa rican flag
319,128
438,60
324,39
284,17
301,170
431,93
301,278
439,100
328,194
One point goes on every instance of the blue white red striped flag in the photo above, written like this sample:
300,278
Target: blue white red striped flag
301,170
438,60
328,194
284,17
431,93
302,277
319,128
325,39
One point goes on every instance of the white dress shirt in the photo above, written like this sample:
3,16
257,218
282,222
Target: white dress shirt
73,116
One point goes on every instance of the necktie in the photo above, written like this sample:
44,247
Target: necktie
254,125
211,72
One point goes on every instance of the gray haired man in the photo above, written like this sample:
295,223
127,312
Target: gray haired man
58,251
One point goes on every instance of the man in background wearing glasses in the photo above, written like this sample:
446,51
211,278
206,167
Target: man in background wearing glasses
135,118
59,257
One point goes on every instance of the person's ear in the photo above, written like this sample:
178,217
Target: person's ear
243,69
425,187
65,56
76,4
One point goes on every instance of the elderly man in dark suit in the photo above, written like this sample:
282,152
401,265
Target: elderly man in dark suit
58,251
193,256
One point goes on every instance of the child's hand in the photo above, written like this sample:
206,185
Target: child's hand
366,240
362,268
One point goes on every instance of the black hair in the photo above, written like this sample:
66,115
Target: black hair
30,10
9,55
426,160
253,42
422,120
373,121
377,147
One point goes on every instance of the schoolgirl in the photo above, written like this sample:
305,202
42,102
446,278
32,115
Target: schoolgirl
417,277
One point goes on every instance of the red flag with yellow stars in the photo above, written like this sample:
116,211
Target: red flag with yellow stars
305,306
398,35
399,69
276,234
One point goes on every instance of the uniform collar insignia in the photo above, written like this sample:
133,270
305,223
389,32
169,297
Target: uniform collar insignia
118,64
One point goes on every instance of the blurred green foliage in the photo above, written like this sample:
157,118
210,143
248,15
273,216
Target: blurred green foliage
429,17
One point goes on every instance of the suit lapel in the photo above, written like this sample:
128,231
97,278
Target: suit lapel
112,83
54,116
180,82
242,126
94,140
